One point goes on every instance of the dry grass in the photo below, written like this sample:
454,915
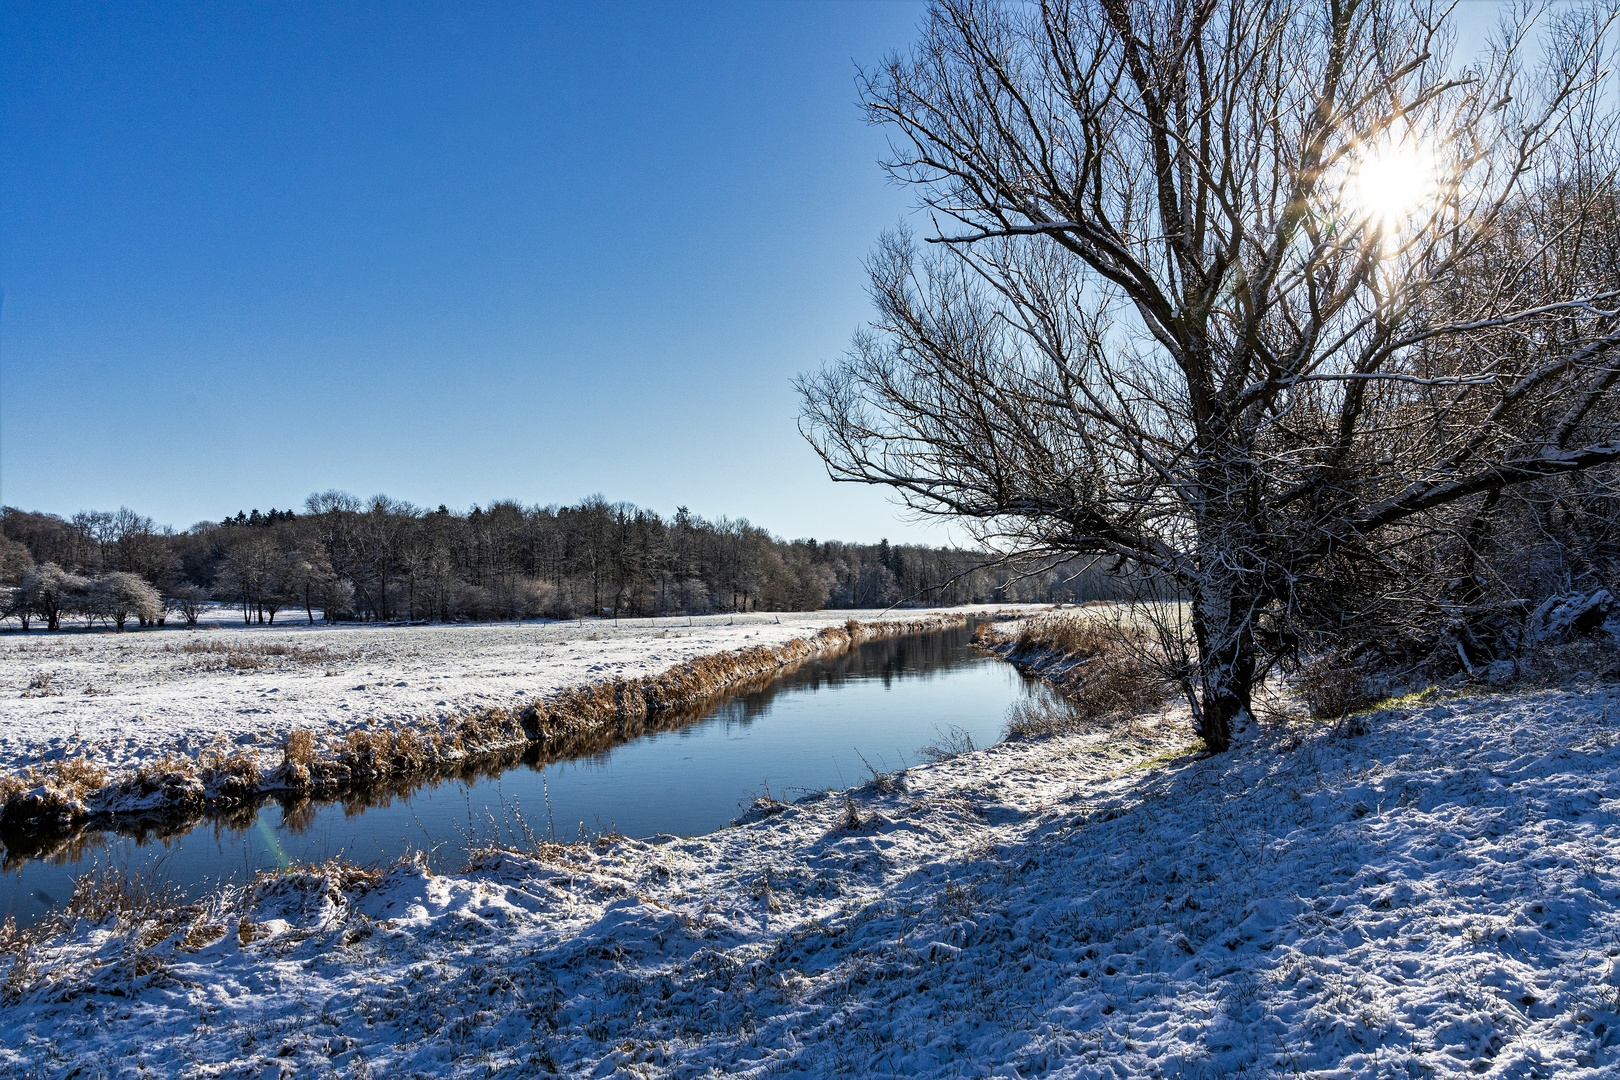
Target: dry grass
41,805
233,775
42,686
50,794
1105,669
140,911
80,773
144,921
244,656
298,749
377,753
152,775
171,781
1072,636
14,785
1038,717
121,894
373,753
334,877
953,741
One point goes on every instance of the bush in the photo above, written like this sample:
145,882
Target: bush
1333,685
117,596
48,591
190,601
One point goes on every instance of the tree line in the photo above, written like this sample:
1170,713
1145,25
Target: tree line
343,558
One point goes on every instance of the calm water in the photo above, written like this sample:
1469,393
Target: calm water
808,730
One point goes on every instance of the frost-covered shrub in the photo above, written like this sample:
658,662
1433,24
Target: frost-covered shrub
534,597
118,596
48,592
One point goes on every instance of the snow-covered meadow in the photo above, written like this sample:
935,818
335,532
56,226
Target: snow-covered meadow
125,699
1432,892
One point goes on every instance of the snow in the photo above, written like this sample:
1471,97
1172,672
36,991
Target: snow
125,699
1434,897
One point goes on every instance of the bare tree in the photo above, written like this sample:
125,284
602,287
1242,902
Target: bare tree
95,531
306,573
247,573
190,601
1228,290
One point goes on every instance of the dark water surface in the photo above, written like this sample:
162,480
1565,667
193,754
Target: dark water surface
807,730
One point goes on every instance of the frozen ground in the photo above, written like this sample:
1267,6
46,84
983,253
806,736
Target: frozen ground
124,698
1435,896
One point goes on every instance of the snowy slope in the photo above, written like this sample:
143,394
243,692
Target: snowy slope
1436,897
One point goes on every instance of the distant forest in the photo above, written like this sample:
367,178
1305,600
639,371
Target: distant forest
346,559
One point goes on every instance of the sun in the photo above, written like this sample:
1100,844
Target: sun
1391,185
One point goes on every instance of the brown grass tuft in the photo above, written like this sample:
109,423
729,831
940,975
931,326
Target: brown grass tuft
298,749
235,775
242,656
81,774
42,686
14,785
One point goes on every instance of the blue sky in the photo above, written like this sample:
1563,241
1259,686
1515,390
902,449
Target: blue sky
448,252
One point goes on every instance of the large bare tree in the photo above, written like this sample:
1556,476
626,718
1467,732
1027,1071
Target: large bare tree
1230,291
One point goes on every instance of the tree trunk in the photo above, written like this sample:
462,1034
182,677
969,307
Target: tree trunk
1228,657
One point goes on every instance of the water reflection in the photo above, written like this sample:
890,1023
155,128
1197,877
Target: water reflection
810,726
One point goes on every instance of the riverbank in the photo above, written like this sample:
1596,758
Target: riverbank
1437,895
166,730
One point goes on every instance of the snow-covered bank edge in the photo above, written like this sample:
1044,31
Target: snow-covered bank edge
74,790
1437,896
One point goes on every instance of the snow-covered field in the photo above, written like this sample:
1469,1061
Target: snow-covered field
125,698
1434,897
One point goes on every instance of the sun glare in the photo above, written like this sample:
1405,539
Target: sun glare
1391,185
